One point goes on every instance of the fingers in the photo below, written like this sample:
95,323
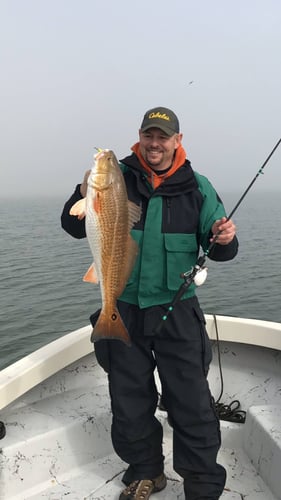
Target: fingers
223,231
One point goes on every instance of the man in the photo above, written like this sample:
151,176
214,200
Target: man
181,211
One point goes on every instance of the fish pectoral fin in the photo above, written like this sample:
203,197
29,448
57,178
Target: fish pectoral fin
97,202
79,209
91,275
134,213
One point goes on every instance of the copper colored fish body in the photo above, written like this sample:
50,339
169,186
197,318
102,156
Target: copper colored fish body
110,217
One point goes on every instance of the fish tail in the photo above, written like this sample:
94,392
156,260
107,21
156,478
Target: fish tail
110,326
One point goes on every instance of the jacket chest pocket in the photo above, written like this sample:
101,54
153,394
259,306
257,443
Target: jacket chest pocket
181,253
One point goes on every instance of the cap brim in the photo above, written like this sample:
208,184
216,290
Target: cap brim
164,129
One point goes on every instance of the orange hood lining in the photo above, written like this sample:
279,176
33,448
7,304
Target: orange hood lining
154,179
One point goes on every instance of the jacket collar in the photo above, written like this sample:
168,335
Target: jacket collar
181,181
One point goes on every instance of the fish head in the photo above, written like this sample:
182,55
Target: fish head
104,171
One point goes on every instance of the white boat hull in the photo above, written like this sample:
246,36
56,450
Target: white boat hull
56,410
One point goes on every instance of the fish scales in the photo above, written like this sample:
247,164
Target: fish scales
107,233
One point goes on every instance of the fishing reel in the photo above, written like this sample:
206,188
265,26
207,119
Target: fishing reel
197,275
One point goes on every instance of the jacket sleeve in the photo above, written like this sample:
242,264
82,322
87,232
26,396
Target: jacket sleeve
224,252
71,224
212,210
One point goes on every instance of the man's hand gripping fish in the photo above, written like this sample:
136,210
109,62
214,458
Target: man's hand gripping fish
110,217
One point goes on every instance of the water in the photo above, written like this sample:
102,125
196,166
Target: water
42,295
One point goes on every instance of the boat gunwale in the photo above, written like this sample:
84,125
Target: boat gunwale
23,375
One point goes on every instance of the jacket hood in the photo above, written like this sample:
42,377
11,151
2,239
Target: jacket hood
181,178
156,178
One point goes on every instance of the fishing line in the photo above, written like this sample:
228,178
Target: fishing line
198,273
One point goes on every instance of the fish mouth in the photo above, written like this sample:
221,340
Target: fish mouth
100,153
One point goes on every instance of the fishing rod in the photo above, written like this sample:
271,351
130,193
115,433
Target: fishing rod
198,273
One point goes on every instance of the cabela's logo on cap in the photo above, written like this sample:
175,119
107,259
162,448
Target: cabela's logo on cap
163,116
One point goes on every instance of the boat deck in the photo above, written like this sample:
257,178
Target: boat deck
60,433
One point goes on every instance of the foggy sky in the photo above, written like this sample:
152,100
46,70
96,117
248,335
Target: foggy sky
76,75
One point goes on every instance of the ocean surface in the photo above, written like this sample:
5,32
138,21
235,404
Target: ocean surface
42,295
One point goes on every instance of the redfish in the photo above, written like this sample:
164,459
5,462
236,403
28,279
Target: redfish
110,217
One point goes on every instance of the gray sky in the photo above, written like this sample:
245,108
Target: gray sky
76,74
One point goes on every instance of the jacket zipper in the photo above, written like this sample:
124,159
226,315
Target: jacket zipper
168,203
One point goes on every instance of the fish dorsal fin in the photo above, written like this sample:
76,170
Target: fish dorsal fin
91,275
79,209
134,213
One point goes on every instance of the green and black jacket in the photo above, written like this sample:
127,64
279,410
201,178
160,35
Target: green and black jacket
176,221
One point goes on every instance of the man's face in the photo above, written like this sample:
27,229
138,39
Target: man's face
157,148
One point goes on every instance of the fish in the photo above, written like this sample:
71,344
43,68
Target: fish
109,218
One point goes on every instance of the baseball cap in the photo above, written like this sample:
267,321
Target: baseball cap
162,118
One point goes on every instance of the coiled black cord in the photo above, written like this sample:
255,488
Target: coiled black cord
231,412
